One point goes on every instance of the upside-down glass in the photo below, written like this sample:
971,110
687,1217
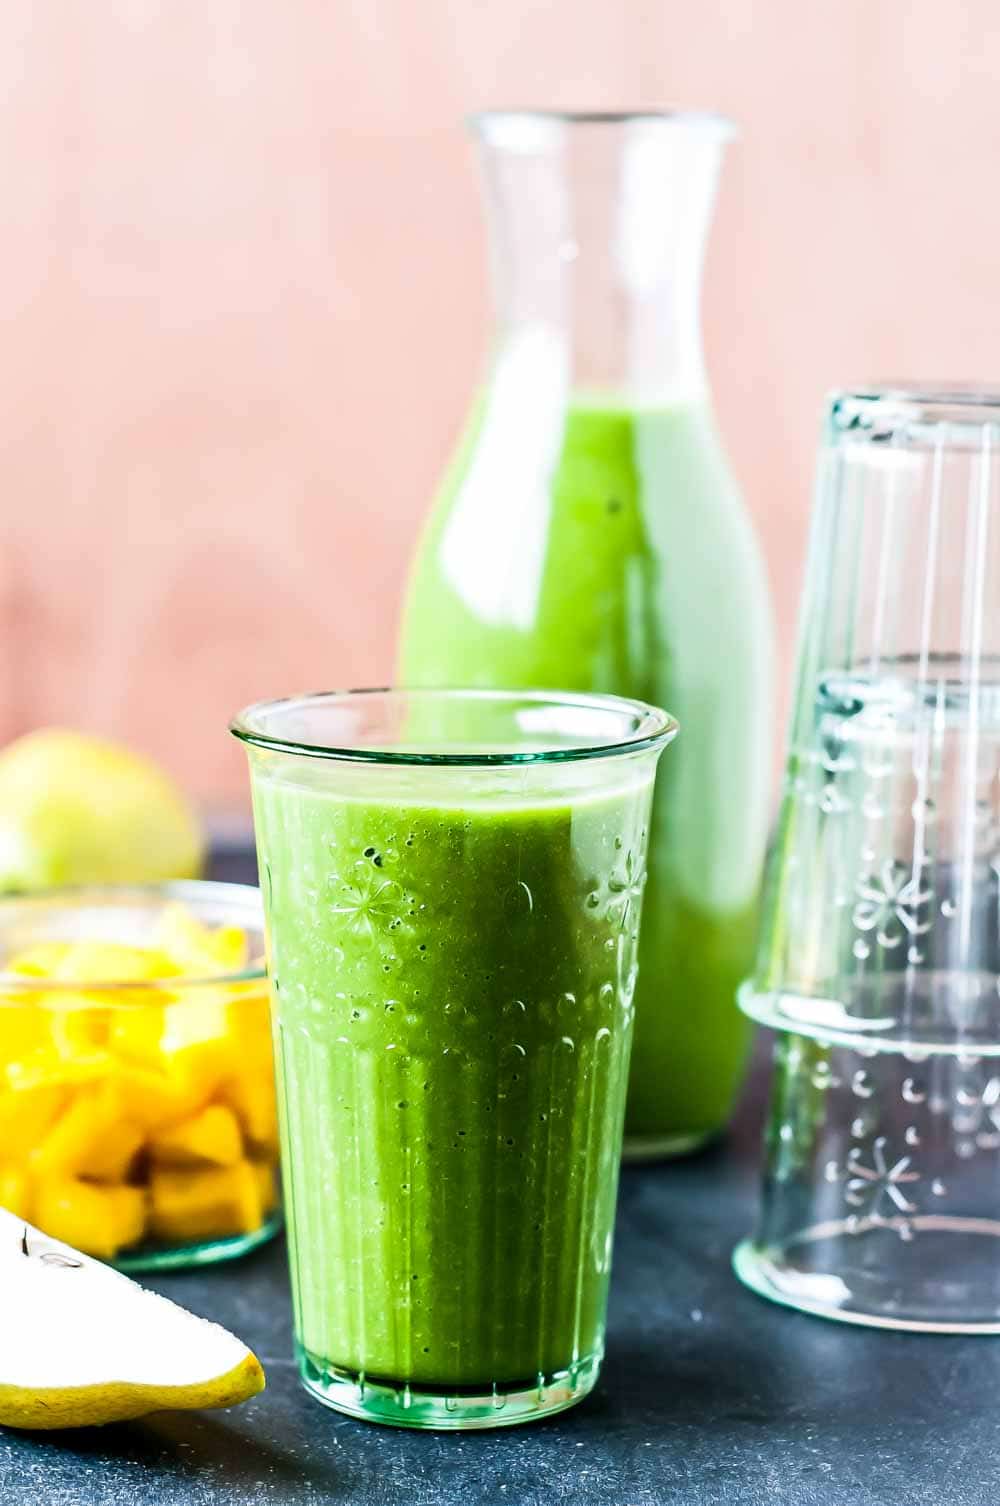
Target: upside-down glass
880,953
452,883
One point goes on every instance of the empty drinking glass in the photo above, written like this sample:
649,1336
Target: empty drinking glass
879,961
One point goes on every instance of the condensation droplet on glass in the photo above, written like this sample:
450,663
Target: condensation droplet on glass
604,1034
859,1128
905,1231
566,1003
593,899
965,1149
821,1075
949,909
938,1188
914,955
568,1042
607,992
912,1135
786,1133
966,1096
861,950
913,1091
619,844
862,1085
831,1172
609,945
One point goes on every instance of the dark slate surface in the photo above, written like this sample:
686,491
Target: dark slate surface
710,1396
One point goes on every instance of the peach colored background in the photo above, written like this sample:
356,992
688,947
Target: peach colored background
243,301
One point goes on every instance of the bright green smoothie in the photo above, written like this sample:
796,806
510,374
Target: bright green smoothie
623,562
453,1002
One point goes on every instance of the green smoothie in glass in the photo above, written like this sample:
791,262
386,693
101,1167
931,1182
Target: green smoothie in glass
452,949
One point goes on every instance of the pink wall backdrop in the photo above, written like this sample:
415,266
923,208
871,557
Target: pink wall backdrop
243,302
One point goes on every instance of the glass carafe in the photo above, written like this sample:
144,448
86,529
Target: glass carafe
589,536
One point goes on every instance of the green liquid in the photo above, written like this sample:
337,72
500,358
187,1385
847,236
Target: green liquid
625,563
453,1003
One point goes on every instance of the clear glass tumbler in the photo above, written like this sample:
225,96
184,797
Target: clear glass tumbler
452,884
879,961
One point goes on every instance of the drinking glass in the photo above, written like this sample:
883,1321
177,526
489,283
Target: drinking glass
452,884
879,962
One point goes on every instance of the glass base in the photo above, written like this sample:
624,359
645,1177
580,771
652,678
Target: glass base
931,1274
665,1147
404,1406
206,1252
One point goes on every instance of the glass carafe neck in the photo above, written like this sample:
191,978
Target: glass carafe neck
597,229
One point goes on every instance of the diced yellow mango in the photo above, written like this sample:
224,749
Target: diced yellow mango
135,1031
40,960
24,1028
27,1114
48,1066
112,962
197,1042
250,1022
15,1191
91,1138
267,1185
98,1220
197,949
211,1138
75,1025
251,1094
152,1100
190,1205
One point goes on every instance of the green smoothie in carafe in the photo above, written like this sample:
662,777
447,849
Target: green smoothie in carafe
628,566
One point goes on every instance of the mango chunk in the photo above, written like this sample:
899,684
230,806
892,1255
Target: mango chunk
75,1025
91,1139
15,1191
252,1096
40,960
26,1115
190,1205
198,950
135,1031
197,1042
211,1138
24,1028
152,1099
111,962
267,1185
98,1220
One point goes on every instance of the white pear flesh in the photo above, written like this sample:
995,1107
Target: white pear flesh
81,1344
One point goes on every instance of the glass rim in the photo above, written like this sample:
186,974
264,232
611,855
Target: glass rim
951,402
656,728
76,896
710,122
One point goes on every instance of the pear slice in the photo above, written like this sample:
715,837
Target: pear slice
81,1344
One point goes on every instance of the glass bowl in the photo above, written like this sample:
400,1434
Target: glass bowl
137,1112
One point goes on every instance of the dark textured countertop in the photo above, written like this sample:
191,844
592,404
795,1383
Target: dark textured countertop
709,1396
